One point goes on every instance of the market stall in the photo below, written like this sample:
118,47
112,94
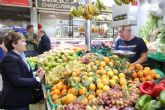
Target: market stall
99,79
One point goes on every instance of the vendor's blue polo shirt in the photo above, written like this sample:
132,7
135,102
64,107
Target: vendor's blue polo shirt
136,45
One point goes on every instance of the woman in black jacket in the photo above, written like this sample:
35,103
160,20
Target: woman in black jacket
18,79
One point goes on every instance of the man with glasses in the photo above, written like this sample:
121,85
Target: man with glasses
132,43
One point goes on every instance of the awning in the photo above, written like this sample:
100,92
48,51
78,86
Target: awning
18,3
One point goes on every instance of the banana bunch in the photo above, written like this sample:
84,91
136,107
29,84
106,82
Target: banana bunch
76,12
92,9
100,5
120,2
86,15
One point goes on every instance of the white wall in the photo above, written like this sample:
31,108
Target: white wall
143,12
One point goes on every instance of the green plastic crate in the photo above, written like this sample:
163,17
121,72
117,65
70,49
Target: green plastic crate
157,56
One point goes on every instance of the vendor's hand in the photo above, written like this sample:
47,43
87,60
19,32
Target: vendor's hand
40,73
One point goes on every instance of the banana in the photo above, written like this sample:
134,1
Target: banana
80,9
101,4
118,2
88,16
72,14
92,9
98,5
125,1
75,12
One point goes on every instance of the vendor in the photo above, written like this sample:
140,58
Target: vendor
132,43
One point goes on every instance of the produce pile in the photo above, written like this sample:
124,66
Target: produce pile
92,81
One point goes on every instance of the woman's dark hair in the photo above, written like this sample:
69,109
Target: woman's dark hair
29,26
10,38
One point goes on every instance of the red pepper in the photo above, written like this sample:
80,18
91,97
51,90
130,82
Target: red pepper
146,87
162,82
157,90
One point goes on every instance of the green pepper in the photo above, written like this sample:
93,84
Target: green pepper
162,97
142,101
152,105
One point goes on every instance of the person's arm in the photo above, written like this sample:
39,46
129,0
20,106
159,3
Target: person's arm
12,72
143,58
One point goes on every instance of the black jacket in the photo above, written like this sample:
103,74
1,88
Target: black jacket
18,82
44,44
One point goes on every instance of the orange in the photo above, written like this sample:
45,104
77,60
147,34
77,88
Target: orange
139,66
82,90
90,97
148,78
140,74
78,71
122,75
105,81
54,97
101,68
72,91
134,75
74,74
152,73
106,88
97,62
145,72
69,98
64,87
157,76
56,91
92,87
98,71
103,71
102,63
99,92
59,85
54,87
123,82
142,79
63,92
147,68
106,59
115,71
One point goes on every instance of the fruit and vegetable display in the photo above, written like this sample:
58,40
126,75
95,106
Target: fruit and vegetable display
89,10
96,82
120,2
